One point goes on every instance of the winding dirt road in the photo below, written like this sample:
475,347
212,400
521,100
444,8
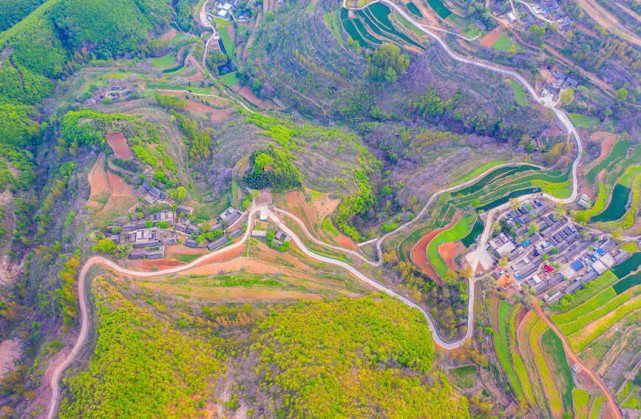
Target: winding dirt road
84,318
85,321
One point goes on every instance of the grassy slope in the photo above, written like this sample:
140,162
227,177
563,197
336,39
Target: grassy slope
552,346
457,232
549,384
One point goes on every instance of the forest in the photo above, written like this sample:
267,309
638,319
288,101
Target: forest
318,359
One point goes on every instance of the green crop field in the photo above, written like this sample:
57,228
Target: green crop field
328,228
583,338
504,43
599,205
464,377
589,290
549,383
230,79
185,258
230,48
519,94
632,264
503,351
596,313
596,407
627,283
164,61
616,208
457,232
552,346
412,8
474,173
476,231
439,8
581,403
618,152
586,308
583,121
629,175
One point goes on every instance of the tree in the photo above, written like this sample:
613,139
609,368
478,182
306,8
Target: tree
559,212
178,194
533,228
514,204
567,96
503,262
386,64
386,191
621,95
537,32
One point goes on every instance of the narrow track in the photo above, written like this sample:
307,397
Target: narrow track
563,118
614,407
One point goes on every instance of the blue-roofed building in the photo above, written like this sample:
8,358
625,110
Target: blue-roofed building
577,265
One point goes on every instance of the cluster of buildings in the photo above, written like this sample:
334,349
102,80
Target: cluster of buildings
552,10
559,80
554,260
113,91
149,235
221,230
152,194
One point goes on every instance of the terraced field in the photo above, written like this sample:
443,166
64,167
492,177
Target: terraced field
372,25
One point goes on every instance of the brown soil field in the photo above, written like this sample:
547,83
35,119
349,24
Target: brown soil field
98,182
118,143
345,241
184,250
418,255
217,115
447,251
226,255
146,265
247,93
121,196
607,140
492,36
169,35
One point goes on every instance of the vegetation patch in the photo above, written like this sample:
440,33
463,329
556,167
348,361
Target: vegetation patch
631,264
588,291
583,338
618,152
476,231
141,366
581,403
464,377
549,383
230,79
551,344
439,8
412,8
519,94
617,207
583,121
586,308
504,43
501,344
164,61
460,230
596,313
627,283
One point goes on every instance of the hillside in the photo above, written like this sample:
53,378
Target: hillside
310,209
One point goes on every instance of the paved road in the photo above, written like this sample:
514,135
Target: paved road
563,118
85,321
614,407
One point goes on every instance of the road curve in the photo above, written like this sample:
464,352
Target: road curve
563,118
106,263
